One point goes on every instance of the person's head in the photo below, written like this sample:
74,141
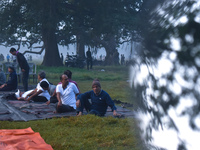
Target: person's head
68,73
11,69
96,86
44,85
13,51
41,75
88,49
64,79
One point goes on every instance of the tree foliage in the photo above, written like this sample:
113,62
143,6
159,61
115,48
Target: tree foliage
51,22
172,38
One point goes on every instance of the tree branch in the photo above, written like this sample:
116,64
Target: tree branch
40,52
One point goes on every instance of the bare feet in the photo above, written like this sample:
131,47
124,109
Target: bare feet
48,102
80,113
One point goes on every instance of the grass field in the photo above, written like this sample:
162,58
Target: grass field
88,132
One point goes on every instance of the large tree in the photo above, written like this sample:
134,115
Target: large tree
171,44
105,24
31,22
51,22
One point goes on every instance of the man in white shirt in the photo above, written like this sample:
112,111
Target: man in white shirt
66,95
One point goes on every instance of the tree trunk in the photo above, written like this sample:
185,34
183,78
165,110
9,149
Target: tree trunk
80,49
112,55
51,57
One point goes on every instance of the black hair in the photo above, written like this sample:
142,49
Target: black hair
13,49
44,84
68,73
62,75
12,68
42,74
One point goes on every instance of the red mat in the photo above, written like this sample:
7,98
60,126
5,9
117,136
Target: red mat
22,139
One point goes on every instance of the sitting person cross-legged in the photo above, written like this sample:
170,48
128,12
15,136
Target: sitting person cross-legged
11,84
66,94
53,98
100,100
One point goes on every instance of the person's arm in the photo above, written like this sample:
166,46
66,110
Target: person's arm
115,113
35,94
78,101
54,93
59,99
111,104
31,93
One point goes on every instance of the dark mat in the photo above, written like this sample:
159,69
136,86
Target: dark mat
14,110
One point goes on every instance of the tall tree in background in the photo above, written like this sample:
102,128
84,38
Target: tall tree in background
105,24
32,22
51,22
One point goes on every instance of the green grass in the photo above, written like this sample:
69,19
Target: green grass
88,132
113,79
85,132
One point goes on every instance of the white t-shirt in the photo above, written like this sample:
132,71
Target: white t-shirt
45,93
68,95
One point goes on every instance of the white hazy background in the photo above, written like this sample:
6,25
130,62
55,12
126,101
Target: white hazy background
123,49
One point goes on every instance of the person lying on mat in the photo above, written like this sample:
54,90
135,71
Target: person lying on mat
40,93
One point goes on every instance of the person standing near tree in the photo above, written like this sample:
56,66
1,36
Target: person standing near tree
23,65
61,57
89,59
8,57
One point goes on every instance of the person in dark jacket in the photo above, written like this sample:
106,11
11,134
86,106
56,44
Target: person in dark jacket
23,65
89,59
100,100
11,84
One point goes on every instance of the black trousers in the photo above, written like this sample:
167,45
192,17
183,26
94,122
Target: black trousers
39,99
53,99
7,88
25,76
64,108
89,64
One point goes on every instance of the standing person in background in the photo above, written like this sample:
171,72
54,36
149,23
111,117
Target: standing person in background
2,77
8,57
89,59
61,57
23,65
